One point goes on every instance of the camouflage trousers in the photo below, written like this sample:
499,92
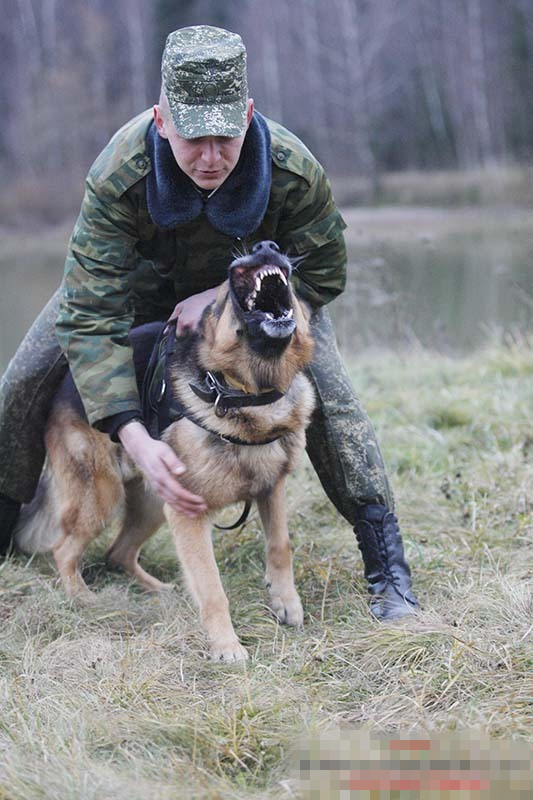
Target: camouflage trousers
341,441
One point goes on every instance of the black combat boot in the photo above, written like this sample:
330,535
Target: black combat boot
386,570
9,514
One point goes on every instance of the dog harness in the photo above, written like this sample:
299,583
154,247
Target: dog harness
161,408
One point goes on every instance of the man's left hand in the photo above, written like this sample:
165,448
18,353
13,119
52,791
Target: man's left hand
188,312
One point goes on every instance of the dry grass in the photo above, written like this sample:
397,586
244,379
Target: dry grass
119,701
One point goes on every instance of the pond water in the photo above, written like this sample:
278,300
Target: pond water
445,279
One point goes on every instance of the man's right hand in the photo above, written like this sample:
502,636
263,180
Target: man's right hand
160,465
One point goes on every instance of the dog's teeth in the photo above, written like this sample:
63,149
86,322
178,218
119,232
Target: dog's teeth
258,284
283,278
288,315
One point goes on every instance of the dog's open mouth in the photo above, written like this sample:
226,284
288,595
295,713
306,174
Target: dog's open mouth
263,289
262,297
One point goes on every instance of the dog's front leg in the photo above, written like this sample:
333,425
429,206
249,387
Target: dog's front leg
195,552
279,578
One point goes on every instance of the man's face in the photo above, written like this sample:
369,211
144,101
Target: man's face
207,160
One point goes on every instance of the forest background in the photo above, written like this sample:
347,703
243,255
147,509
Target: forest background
371,87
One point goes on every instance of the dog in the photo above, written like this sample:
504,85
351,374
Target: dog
238,403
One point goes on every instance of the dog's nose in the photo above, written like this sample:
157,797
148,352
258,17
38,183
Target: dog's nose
265,248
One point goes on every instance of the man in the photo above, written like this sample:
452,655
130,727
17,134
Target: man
174,193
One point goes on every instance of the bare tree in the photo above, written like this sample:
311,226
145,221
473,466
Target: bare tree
430,68
270,64
479,81
138,28
356,97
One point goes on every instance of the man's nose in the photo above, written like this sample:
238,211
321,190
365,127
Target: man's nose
210,151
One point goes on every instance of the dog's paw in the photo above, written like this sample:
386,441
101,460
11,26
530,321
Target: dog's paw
84,598
227,652
287,608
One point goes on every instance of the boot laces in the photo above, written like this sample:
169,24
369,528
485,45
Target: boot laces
382,545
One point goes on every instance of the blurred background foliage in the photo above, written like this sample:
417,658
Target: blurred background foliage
371,86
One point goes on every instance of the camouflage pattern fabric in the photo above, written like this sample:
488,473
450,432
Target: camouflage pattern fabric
203,71
120,265
26,392
340,440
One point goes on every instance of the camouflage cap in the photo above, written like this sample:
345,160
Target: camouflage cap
204,79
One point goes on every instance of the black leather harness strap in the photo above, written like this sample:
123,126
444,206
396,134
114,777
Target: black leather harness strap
154,394
213,390
161,408
242,519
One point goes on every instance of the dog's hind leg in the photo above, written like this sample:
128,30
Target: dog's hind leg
84,513
195,552
284,599
87,490
144,515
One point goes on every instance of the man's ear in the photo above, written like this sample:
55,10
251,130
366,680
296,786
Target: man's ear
160,122
249,112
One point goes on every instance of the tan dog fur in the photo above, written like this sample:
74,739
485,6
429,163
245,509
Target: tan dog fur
92,478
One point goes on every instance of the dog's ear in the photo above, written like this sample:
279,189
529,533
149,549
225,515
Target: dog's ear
302,314
302,345
304,307
213,312
221,332
222,297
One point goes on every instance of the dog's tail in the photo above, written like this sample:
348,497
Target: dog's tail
38,526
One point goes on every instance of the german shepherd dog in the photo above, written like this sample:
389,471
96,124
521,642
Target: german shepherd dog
244,405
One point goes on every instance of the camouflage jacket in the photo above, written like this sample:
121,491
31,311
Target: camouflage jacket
122,269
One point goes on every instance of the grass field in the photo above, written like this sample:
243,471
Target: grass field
118,700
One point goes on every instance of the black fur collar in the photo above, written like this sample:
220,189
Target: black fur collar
236,209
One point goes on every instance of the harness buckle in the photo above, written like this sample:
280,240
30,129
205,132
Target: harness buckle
220,409
214,386
211,381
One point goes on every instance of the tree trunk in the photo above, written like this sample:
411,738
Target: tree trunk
136,26
356,96
479,81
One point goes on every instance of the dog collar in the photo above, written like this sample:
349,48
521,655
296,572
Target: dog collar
214,389
161,408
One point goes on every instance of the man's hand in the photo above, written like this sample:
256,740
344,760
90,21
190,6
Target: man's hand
159,464
189,311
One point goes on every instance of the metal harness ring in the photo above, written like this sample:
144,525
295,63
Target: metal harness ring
220,411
